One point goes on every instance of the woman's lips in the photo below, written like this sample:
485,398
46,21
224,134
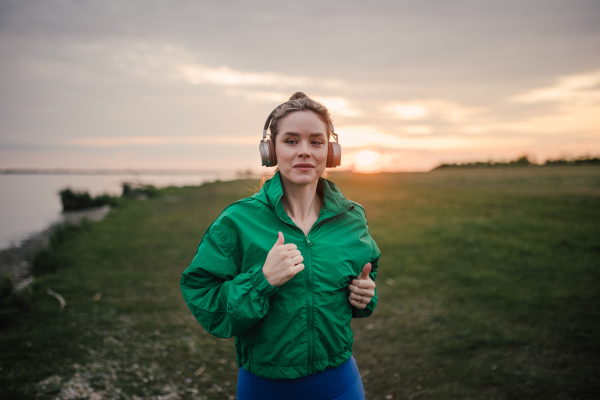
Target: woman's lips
303,167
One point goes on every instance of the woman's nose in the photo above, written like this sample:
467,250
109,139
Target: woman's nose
304,150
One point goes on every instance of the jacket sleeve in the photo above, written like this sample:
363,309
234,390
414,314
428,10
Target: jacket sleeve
368,310
224,301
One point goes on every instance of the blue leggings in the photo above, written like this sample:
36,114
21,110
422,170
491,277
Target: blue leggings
340,383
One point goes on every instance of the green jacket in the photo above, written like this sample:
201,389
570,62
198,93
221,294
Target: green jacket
303,326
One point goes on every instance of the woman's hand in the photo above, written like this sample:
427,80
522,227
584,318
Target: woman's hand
362,289
283,262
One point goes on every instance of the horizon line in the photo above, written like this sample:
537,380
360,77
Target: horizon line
112,171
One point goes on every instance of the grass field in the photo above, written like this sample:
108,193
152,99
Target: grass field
489,288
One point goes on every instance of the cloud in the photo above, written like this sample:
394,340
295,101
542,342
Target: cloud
415,72
160,140
365,136
154,60
268,97
335,105
568,88
417,129
434,108
198,74
407,111
576,100
338,105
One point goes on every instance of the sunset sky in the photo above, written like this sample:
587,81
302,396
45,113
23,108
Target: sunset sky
189,84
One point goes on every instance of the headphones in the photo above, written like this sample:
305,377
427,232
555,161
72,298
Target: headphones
269,158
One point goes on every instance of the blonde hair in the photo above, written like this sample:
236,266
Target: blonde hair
298,102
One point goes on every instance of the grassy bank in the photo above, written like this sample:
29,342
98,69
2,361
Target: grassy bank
489,289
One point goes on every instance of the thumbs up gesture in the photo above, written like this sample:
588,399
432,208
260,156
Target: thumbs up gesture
283,262
362,289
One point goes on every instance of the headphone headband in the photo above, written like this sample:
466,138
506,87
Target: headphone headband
268,122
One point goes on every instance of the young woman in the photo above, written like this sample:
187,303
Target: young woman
285,271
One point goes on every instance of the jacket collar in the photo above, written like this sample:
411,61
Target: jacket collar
334,201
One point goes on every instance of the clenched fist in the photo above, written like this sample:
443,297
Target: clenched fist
283,262
362,289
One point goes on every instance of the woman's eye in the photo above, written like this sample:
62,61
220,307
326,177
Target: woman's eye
290,141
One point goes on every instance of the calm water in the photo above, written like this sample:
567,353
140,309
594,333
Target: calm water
30,202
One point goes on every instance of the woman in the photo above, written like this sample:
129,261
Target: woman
285,270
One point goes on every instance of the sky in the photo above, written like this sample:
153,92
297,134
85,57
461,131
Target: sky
181,84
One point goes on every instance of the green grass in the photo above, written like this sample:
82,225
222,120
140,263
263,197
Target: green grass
489,288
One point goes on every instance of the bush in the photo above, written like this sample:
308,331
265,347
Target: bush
139,191
75,201
103,199
72,201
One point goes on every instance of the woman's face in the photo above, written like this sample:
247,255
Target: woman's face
301,147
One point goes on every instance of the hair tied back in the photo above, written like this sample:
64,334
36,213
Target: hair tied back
298,95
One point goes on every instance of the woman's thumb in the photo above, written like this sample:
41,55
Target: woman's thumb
365,272
280,240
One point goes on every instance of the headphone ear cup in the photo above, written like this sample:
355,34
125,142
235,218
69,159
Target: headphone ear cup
329,163
337,154
267,153
264,153
272,155
334,155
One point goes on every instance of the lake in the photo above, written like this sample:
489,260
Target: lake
30,202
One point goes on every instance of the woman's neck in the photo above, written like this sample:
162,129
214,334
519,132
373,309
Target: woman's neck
301,202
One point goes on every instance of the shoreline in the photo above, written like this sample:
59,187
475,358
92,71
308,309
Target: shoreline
15,260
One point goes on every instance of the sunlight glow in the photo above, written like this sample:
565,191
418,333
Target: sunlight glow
366,157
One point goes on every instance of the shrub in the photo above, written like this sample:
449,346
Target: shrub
75,201
103,199
72,201
138,191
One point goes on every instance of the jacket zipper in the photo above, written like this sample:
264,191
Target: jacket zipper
309,291
309,299
309,308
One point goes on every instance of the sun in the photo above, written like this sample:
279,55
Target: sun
366,158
